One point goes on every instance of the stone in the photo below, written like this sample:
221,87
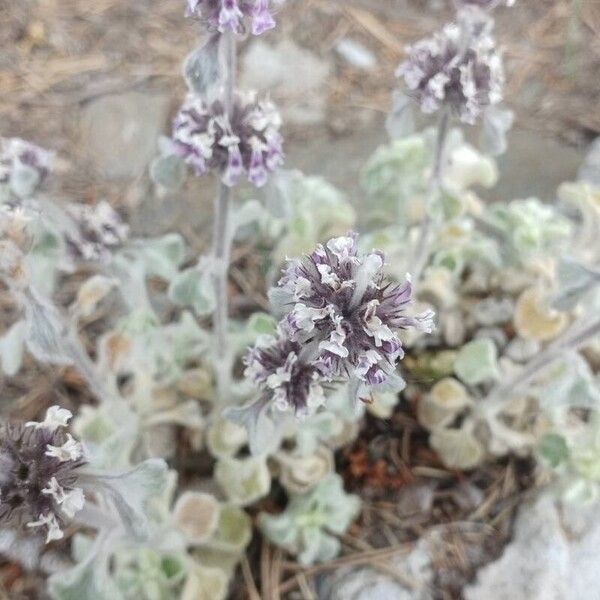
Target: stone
295,78
119,133
356,54
369,584
553,556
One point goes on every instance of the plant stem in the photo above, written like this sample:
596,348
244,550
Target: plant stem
573,339
222,238
422,248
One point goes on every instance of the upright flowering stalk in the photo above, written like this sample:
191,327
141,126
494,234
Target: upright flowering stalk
340,324
457,73
231,134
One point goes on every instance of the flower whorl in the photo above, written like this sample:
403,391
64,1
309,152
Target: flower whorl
248,142
98,230
458,67
229,15
38,474
279,367
23,166
341,323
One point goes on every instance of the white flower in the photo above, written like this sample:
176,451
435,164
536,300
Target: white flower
55,417
70,450
50,521
70,502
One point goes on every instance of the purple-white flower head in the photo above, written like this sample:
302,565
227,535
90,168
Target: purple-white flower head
98,230
234,15
247,143
287,374
38,474
458,67
340,300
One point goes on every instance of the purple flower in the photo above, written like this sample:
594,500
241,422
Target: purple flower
339,300
232,15
458,67
286,373
38,474
98,229
247,143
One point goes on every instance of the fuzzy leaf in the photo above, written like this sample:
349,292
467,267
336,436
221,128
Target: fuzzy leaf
132,490
11,348
88,580
195,289
458,449
243,480
401,120
575,281
496,124
162,256
205,583
92,292
47,336
477,362
263,435
554,449
201,66
197,516
168,171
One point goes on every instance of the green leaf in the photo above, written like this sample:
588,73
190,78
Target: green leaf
169,172
477,362
195,289
553,448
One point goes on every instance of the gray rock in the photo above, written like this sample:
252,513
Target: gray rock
356,54
294,77
119,133
590,170
553,556
369,584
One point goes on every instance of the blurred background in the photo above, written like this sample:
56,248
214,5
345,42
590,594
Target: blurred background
98,82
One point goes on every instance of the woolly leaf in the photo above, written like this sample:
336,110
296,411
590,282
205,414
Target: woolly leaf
554,449
201,66
193,288
11,348
169,172
477,362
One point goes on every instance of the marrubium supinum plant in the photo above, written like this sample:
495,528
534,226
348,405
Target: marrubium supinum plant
348,329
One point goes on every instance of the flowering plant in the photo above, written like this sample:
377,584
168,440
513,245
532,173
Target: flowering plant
476,323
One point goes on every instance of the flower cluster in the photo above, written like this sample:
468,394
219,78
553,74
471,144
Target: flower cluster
38,474
342,324
229,15
286,370
458,67
17,155
98,230
247,142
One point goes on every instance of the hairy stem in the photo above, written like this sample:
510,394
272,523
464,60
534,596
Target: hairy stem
422,248
577,335
222,238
